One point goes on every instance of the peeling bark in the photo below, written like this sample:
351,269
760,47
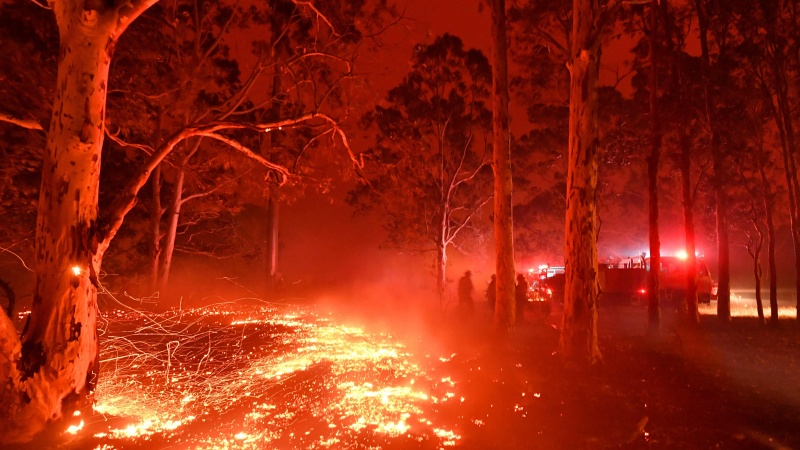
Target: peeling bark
578,340
58,356
52,369
505,307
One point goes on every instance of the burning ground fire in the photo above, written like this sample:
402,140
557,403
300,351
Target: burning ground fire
267,376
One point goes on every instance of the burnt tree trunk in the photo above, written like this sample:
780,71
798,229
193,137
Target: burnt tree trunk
578,339
505,308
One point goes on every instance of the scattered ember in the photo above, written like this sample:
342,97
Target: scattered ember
258,376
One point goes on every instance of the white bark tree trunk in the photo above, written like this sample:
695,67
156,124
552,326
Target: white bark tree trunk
155,229
58,359
173,217
441,273
55,365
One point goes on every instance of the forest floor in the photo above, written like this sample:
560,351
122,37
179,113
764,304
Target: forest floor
718,385
299,374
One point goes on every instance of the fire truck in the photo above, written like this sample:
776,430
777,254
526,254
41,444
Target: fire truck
626,280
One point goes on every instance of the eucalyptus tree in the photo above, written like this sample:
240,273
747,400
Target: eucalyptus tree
429,171
578,339
50,371
505,310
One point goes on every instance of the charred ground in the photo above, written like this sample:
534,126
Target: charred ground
719,385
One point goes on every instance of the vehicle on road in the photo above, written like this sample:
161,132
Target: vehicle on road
624,281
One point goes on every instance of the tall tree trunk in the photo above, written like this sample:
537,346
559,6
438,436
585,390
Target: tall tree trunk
718,158
653,163
441,273
505,308
271,250
173,218
723,242
174,213
692,313
755,254
769,211
155,228
689,306
786,133
579,327
269,142
57,363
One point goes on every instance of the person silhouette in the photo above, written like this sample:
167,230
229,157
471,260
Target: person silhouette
465,294
521,297
491,292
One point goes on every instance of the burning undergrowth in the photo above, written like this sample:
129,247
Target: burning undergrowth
259,375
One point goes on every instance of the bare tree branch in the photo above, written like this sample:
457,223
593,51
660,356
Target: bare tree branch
22,261
40,5
29,124
115,138
316,11
127,199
